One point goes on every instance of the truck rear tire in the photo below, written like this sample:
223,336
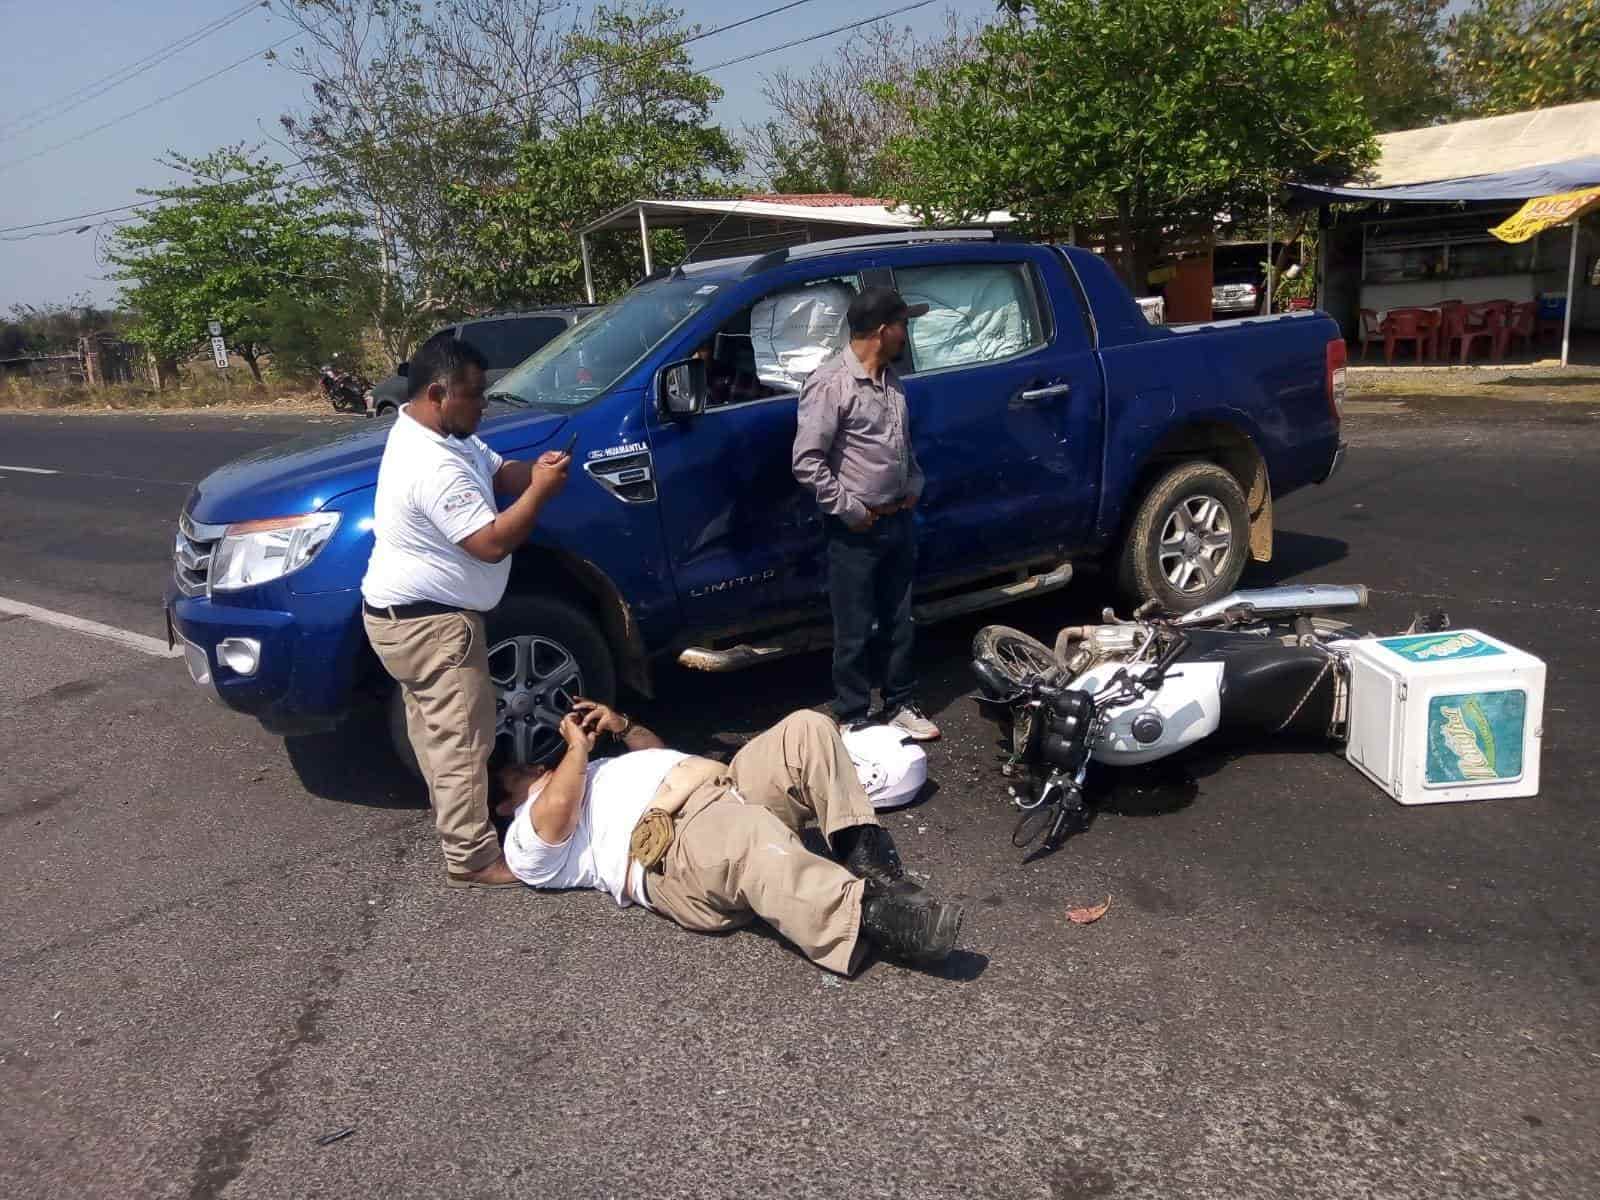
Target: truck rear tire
543,653
1189,539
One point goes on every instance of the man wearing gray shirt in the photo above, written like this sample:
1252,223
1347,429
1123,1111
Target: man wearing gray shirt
853,451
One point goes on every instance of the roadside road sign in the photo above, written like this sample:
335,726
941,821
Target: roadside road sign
219,351
215,327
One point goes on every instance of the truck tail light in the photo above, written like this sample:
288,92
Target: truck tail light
1334,362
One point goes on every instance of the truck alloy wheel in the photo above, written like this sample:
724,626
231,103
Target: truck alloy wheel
1195,541
543,654
536,681
1189,539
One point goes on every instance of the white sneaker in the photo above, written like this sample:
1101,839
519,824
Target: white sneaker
914,723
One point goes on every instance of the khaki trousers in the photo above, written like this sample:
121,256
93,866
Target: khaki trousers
736,853
442,666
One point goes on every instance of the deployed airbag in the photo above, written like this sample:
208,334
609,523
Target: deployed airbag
974,315
794,333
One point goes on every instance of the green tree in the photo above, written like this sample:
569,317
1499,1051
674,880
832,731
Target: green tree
235,243
639,127
1151,115
403,98
833,125
53,328
308,331
1513,55
1399,69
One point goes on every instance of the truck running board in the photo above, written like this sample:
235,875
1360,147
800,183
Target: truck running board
815,637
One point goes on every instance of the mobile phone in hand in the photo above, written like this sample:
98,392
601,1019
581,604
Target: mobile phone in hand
570,445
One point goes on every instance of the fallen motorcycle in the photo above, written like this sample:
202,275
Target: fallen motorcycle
345,390
1257,664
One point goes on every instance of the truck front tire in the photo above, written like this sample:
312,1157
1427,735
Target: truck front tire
543,653
1189,539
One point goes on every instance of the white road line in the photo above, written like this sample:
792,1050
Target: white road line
123,637
102,475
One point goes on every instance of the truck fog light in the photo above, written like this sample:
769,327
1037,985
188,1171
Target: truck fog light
240,655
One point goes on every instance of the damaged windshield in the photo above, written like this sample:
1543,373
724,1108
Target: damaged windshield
590,357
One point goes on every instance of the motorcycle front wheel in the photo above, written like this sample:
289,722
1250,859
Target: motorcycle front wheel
1017,656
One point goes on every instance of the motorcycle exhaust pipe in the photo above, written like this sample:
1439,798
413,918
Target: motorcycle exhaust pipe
1280,601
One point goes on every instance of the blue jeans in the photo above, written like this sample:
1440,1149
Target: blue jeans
869,583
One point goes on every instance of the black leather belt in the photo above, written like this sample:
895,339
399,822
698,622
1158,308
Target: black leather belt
406,612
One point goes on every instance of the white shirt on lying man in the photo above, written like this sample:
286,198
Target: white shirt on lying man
595,854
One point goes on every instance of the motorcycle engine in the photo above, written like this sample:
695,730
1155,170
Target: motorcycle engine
1081,647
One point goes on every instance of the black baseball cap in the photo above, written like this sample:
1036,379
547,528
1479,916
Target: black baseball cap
875,306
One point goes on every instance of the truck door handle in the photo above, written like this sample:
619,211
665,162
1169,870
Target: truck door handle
1048,392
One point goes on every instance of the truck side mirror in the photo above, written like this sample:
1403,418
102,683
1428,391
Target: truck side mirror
403,370
681,388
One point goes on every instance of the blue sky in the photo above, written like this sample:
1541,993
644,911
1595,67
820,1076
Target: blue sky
70,43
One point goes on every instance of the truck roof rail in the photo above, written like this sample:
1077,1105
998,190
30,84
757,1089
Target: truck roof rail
906,237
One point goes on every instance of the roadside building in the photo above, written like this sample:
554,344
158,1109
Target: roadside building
1420,232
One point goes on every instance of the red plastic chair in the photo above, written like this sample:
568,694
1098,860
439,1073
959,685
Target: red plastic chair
1496,318
1479,313
1371,330
1458,328
1522,324
1405,325
1432,321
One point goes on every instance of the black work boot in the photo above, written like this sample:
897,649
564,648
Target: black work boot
867,852
915,929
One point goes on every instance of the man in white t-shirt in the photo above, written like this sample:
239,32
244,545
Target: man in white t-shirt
440,560
714,846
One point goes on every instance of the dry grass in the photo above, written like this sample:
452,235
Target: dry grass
25,395
1545,385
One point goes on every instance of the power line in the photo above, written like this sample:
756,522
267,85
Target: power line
189,87
669,46
97,225
28,237
99,212
883,16
99,87
743,58
471,112
816,37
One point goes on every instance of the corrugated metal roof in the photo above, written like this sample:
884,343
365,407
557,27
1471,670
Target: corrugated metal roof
1488,145
815,199
821,209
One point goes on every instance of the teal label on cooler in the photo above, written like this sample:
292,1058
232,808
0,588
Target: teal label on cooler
1439,647
1475,738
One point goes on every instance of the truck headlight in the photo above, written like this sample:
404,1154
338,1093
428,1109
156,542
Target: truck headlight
256,552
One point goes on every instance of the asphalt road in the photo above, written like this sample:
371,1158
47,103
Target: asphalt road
219,948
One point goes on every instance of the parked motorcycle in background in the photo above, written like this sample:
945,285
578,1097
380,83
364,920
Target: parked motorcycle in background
346,390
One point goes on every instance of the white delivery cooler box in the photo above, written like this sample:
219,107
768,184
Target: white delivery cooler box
1441,717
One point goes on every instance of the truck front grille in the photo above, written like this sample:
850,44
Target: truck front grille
191,555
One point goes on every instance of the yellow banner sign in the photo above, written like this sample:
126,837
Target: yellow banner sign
1546,212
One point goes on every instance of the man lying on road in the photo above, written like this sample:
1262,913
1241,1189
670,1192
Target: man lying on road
713,846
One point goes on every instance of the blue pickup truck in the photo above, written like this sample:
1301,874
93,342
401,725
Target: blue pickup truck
1055,424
